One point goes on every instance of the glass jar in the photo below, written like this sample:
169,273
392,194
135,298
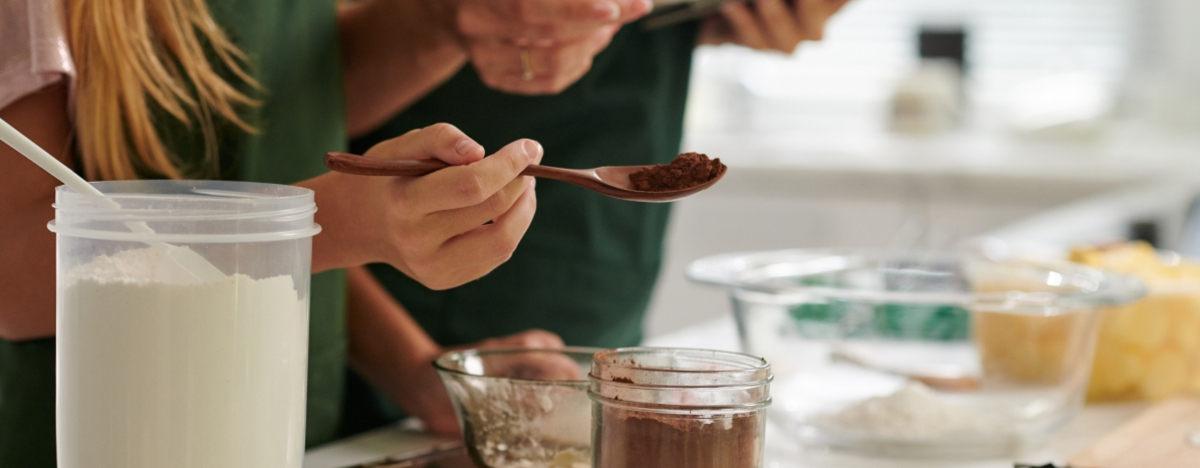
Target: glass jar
678,408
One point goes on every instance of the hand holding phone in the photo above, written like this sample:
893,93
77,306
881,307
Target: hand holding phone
778,25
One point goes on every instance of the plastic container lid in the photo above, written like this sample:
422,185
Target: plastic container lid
188,211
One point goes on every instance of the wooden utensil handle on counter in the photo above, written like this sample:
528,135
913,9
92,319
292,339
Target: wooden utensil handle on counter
1160,437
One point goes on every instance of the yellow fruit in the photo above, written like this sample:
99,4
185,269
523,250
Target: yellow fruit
1194,385
1185,323
1164,377
1030,349
1103,382
1149,328
1129,369
1151,348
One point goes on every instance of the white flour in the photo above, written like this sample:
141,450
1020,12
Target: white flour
153,374
913,412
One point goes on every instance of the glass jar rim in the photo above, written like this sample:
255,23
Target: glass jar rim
694,368
443,363
680,380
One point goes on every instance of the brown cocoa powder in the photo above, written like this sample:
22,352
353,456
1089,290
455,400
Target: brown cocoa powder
637,439
686,171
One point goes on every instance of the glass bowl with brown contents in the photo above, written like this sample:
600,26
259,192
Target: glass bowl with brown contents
678,408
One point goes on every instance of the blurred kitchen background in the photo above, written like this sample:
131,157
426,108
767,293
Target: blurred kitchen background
1001,126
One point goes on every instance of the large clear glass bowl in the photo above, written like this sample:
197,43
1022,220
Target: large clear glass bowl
522,408
924,355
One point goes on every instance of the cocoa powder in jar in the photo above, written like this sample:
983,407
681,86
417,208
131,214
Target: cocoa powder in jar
678,408
629,438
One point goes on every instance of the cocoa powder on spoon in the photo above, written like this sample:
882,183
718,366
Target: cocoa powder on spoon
687,170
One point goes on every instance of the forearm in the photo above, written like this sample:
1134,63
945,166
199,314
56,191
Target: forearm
386,345
27,284
336,246
26,246
393,53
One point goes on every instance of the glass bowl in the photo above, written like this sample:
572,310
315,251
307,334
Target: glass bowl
522,408
922,355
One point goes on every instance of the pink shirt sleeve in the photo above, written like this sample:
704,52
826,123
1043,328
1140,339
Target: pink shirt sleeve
33,48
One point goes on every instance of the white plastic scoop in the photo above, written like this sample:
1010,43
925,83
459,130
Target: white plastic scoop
177,265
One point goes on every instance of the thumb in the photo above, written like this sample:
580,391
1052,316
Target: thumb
438,141
634,9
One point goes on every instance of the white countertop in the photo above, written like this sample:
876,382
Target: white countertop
1087,428
1094,422
1160,183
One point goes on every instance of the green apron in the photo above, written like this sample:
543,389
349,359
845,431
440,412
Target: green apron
588,263
294,54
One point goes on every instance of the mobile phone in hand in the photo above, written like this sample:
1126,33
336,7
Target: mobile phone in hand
672,12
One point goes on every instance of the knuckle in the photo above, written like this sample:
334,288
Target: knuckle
526,340
440,284
421,271
524,10
547,30
565,80
559,85
444,136
503,245
441,129
490,79
552,62
496,204
470,189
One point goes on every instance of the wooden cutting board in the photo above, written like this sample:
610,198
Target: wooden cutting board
1167,435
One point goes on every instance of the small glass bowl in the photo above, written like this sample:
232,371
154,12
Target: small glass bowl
522,407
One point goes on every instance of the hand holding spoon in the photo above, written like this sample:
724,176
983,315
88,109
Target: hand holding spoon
608,180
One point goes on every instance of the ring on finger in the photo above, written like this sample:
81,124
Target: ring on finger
526,65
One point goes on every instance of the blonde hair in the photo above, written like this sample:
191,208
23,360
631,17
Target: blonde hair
135,58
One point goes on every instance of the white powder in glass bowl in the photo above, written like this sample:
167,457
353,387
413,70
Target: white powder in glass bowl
913,412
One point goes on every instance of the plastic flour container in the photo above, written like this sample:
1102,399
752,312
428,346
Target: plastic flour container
160,368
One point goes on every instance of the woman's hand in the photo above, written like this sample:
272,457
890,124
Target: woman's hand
425,398
539,46
391,351
770,24
443,229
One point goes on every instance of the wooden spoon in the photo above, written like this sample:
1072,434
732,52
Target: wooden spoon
609,180
947,383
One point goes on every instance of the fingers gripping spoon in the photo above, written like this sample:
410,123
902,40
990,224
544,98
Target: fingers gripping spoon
178,265
612,181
